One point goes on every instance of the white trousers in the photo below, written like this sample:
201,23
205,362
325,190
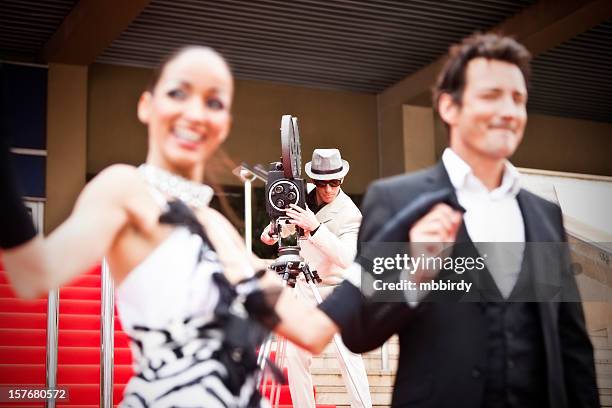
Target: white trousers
299,361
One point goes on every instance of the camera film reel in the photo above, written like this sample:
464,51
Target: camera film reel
290,143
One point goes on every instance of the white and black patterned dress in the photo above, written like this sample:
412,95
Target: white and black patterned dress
192,344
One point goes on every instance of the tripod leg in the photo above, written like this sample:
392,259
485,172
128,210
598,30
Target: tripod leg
340,350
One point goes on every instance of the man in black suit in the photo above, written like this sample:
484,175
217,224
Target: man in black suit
499,351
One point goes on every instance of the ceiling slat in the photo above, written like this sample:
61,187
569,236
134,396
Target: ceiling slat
353,45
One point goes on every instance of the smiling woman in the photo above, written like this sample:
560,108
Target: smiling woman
187,114
185,283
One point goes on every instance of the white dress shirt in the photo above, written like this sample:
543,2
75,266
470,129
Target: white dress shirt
491,216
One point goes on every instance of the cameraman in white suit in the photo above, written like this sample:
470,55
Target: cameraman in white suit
331,224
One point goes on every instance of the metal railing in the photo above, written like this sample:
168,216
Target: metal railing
52,340
384,357
247,175
107,335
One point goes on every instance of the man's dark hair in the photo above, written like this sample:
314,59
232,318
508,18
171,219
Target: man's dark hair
451,79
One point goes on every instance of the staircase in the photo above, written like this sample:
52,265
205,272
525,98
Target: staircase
79,343
285,400
23,328
329,388
330,384
23,339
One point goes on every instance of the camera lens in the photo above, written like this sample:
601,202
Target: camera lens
278,189
291,196
280,203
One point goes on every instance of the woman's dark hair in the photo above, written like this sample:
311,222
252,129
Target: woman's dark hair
174,55
451,79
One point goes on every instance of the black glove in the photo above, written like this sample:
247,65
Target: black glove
260,303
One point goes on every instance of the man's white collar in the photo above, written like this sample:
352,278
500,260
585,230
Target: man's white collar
462,176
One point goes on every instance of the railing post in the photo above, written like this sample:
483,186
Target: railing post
107,335
52,329
247,178
248,216
384,356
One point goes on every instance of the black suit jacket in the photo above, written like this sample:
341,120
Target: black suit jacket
443,345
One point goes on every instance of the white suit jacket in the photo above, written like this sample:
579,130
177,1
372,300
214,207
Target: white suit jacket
331,250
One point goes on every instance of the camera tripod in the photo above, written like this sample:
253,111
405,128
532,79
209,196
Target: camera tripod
289,265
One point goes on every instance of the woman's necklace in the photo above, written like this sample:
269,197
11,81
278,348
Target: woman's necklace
193,194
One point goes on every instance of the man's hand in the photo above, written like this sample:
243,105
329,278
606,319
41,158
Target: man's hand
433,233
303,218
266,238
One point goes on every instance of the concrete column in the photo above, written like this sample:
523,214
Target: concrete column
390,142
66,140
419,137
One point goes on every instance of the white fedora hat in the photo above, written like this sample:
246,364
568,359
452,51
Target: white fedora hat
326,164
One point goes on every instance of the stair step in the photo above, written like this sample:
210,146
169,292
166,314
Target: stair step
317,406
68,292
22,374
341,398
67,338
285,395
6,291
87,280
66,373
90,278
90,373
341,389
370,365
26,306
392,349
67,306
16,320
66,355
336,379
80,292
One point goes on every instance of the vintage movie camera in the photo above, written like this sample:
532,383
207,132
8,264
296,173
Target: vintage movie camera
285,186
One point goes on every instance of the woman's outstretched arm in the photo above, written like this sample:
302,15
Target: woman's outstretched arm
304,325
40,264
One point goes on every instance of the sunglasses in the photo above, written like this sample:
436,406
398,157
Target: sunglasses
323,183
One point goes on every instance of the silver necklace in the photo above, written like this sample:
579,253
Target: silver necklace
195,195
